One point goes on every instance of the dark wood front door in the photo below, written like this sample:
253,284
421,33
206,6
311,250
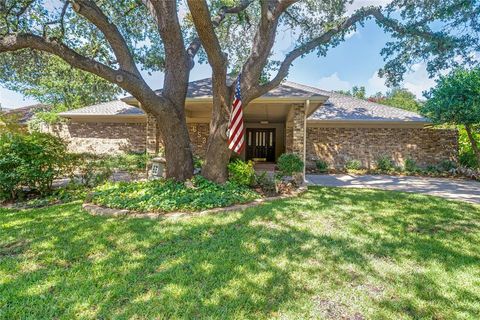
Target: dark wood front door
261,145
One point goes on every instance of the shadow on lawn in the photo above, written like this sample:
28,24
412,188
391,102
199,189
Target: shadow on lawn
251,264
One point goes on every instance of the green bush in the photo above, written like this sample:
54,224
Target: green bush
30,160
288,164
241,172
353,165
411,165
384,163
446,165
322,166
91,170
168,195
467,157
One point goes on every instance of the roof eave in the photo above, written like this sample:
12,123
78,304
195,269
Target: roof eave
424,122
134,102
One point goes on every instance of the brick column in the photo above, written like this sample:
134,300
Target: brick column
152,143
299,132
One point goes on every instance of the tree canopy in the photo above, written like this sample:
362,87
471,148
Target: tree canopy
456,100
399,98
53,82
114,40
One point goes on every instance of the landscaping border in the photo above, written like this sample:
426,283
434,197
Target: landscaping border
97,210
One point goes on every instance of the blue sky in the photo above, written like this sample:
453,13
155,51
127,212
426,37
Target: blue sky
354,62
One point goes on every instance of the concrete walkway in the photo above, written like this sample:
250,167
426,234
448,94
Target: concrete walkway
456,189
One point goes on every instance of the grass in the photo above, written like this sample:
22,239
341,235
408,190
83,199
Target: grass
332,253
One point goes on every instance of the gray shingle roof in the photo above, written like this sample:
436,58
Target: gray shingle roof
340,107
203,89
112,108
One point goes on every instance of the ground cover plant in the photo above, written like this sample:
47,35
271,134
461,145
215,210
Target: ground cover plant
168,195
329,254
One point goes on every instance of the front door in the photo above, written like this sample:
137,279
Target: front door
261,145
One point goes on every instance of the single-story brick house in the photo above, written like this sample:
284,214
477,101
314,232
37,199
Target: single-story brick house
314,123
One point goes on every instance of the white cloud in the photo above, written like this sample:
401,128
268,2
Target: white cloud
375,84
357,4
416,81
333,82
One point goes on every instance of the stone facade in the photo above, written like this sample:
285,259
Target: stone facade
336,146
198,137
100,137
153,139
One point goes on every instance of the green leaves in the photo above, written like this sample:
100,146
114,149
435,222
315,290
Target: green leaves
51,81
455,99
169,195
29,160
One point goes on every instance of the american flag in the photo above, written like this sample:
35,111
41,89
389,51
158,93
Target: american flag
236,139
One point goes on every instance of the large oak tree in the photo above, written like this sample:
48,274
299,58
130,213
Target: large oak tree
429,31
111,39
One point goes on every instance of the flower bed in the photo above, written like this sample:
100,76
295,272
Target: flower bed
169,196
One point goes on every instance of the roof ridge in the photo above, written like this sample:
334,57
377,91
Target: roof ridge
305,87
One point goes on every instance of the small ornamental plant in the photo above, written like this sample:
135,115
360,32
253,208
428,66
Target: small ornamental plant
289,164
241,172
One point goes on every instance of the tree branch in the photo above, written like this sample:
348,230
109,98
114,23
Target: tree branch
60,20
263,42
195,45
326,37
136,86
95,15
206,32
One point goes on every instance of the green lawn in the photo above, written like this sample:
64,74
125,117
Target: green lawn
332,253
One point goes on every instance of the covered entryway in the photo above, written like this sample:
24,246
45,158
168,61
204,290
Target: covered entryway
260,144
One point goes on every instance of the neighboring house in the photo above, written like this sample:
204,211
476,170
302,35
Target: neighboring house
24,114
311,122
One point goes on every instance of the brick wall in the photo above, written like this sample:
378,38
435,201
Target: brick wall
339,145
101,137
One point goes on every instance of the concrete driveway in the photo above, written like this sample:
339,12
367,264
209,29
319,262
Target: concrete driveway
455,189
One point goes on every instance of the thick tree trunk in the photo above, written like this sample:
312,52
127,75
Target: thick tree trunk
473,142
217,153
176,140
178,152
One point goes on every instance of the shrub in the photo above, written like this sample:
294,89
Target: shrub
90,170
241,172
289,164
468,159
384,163
411,165
446,165
432,169
353,165
30,160
322,166
168,195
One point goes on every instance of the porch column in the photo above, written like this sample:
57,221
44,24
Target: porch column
299,132
153,136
